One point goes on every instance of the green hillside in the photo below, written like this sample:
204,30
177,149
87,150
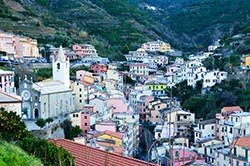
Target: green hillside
115,27
14,156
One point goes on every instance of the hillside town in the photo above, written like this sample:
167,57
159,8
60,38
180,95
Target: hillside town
126,111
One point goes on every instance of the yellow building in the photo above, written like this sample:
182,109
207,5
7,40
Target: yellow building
245,60
164,47
110,135
157,87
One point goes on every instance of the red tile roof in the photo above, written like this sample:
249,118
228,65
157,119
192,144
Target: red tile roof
231,109
242,142
88,156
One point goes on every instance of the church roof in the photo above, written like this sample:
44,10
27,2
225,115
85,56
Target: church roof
50,86
61,56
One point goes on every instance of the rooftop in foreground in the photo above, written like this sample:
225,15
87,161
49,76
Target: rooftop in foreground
85,155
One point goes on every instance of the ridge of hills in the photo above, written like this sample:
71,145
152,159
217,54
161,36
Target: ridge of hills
115,27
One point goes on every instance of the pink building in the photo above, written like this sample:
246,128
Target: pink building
81,73
118,104
185,156
26,47
98,68
104,126
88,118
84,119
84,50
7,43
142,105
18,46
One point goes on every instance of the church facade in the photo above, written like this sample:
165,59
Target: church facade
51,98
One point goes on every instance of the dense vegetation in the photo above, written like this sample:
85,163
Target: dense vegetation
13,130
205,105
115,27
14,156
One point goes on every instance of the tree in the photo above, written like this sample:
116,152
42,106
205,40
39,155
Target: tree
49,153
49,120
70,132
12,128
41,122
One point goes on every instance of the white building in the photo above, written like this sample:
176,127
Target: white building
7,83
181,119
205,129
136,94
49,98
139,69
11,103
237,155
213,77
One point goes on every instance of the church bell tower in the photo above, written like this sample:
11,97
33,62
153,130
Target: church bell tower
61,68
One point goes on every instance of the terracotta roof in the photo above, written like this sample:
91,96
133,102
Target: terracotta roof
113,134
242,142
85,155
231,109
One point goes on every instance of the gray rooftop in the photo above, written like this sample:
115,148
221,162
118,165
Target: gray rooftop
9,98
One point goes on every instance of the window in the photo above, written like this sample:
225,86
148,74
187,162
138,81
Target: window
185,117
74,115
235,151
212,127
156,116
231,130
58,66
85,131
80,101
80,95
77,115
85,124
85,117
80,89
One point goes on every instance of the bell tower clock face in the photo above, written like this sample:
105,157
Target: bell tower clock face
26,95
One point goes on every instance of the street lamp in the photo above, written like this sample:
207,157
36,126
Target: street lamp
151,148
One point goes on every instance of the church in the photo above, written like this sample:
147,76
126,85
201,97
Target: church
52,98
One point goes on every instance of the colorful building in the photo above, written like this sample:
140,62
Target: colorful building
245,60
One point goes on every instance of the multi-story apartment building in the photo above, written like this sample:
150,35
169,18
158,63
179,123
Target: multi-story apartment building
223,116
213,77
205,129
85,118
7,82
181,121
18,46
7,43
84,50
26,47
236,154
156,46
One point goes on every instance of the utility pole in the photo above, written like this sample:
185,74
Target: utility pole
169,128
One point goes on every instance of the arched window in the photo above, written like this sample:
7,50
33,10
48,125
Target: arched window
58,65
36,113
